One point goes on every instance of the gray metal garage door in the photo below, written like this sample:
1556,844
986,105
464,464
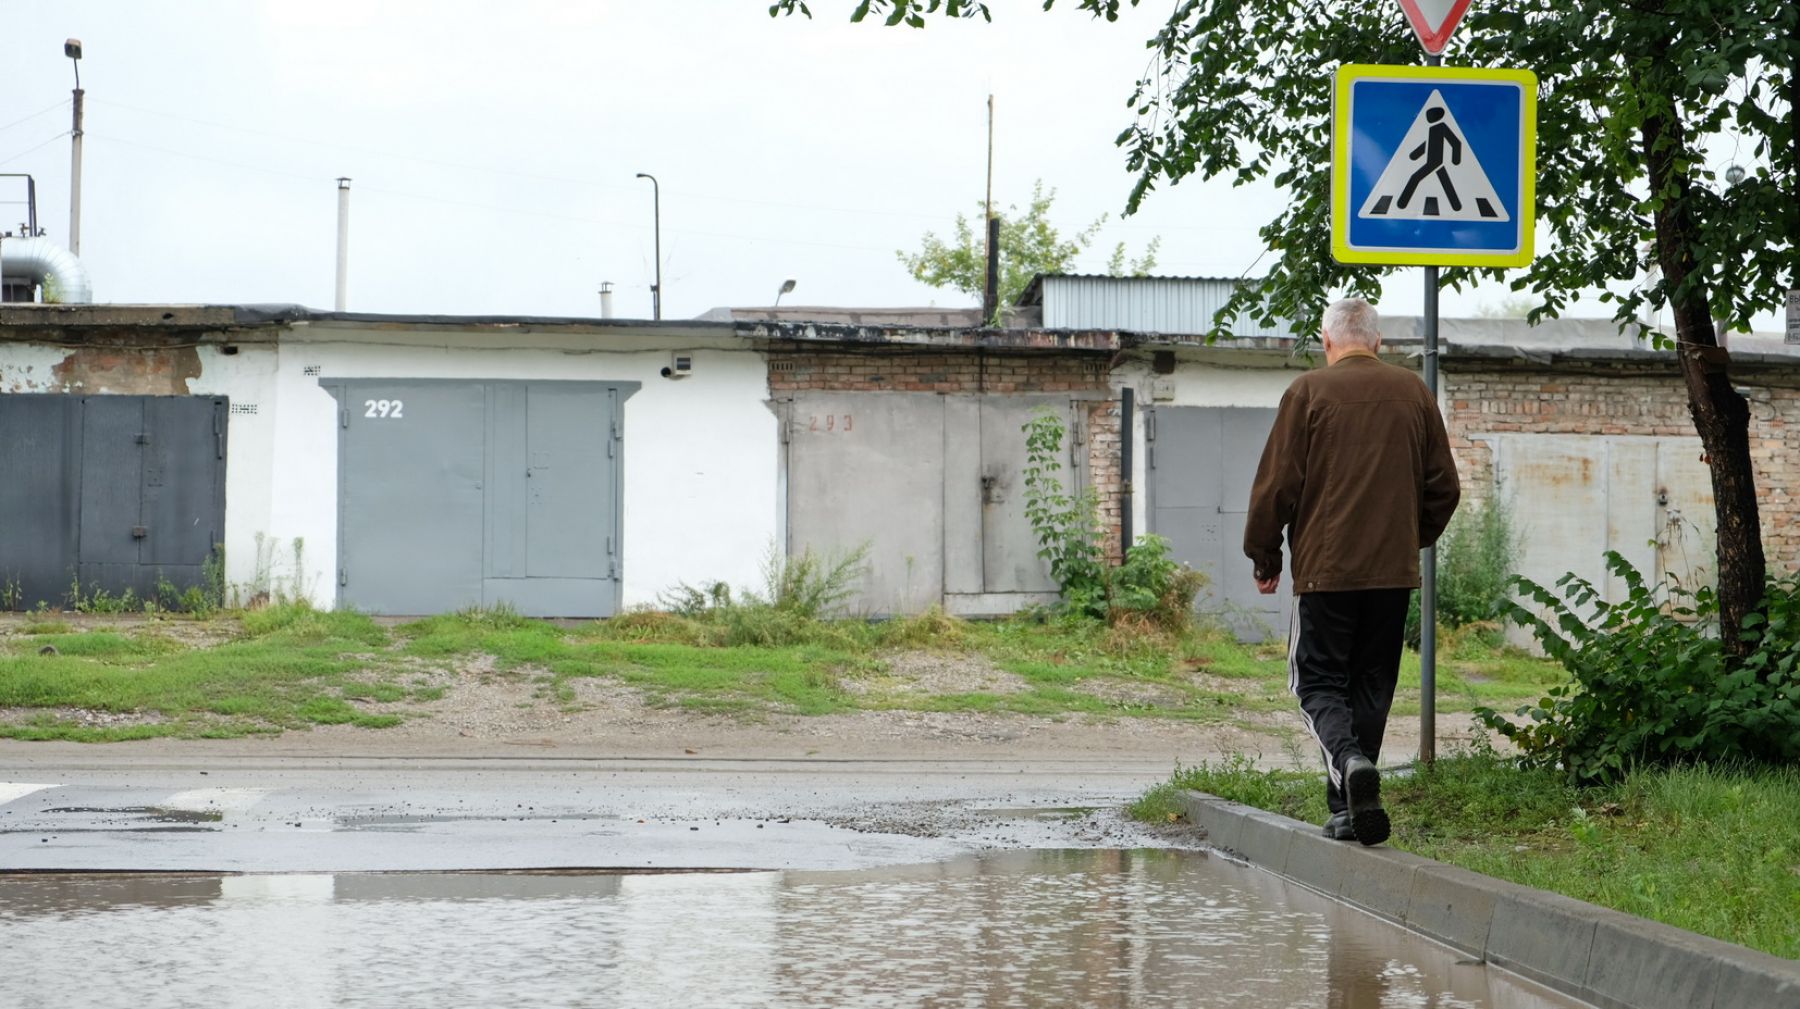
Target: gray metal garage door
933,484
1202,461
120,492
463,493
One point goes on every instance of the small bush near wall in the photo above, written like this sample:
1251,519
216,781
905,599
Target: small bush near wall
1476,559
1652,685
1149,587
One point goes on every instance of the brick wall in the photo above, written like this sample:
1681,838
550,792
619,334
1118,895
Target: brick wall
913,371
1621,402
1104,471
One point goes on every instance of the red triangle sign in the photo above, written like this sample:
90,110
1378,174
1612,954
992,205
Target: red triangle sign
1434,20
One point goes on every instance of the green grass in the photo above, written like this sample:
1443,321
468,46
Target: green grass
287,669
289,665
1712,850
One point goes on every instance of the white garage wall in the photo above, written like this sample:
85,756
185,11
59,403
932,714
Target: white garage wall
248,380
700,454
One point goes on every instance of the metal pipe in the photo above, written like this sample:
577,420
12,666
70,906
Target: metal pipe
990,299
1127,439
1428,559
61,275
75,175
656,205
343,249
606,309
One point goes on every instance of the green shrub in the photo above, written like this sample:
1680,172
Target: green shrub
1148,586
1153,586
1476,560
811,586
1652,686
1067,526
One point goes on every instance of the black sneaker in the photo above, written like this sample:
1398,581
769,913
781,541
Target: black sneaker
1338,827
1362,787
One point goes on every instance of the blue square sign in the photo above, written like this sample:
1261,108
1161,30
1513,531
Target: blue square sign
1433,166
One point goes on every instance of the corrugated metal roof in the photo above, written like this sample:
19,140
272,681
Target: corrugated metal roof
1185,305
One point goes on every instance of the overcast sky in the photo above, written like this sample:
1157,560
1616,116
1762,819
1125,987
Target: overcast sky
493,148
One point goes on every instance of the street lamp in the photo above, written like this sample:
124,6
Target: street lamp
656,288
1734,175
72,49
787,287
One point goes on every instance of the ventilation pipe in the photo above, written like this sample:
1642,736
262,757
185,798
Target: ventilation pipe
55,269
606,291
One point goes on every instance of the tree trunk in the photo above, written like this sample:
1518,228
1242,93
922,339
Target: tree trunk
1721,415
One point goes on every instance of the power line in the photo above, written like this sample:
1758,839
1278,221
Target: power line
35,147
34,115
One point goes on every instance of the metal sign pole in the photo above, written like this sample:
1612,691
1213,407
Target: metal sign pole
1428,561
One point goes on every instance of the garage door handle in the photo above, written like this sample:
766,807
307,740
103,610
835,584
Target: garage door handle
139,532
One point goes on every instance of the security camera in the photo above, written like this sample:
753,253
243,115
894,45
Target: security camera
72,49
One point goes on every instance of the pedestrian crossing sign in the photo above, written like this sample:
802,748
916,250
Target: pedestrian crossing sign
1433,166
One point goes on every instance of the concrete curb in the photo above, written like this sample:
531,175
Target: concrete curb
1611,959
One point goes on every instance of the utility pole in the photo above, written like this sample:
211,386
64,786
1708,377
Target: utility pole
990,295
656,205
72,49
343,250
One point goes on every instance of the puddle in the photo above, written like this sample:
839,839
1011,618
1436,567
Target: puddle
1089,927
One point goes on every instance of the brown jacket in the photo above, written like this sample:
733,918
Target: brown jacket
1358,471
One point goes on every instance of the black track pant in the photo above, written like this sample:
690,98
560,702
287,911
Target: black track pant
1343,661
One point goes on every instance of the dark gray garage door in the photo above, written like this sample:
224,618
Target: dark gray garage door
463,493
1202,462
118,492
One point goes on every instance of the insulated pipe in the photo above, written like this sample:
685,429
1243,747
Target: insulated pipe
52,267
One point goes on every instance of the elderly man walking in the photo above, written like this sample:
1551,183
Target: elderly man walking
1358,472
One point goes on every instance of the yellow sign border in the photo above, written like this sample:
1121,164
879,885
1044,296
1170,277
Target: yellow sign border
1341,250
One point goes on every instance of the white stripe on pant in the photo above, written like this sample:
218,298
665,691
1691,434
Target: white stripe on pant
1331,769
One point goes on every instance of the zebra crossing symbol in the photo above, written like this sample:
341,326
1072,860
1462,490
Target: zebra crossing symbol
1433,166
1434,175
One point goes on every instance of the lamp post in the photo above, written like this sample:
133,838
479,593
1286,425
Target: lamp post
656,205
787,287
72,49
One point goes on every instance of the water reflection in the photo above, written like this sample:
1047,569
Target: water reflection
1027,929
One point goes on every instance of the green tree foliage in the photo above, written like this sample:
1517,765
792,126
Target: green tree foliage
1629,96
1029,245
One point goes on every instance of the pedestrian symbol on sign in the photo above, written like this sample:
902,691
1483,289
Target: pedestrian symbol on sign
1434,175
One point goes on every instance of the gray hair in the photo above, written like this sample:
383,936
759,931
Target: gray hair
1353,323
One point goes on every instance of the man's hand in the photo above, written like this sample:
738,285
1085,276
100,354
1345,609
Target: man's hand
1267,586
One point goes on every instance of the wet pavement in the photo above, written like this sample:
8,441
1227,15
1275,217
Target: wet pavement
361,815
697,882
1043,928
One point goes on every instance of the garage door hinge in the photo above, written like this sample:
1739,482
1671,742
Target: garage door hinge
343,577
